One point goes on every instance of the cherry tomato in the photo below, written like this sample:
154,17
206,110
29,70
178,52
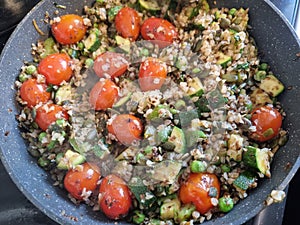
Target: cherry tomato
48,114
160,30
82,178
197,190
127,128
267,121
56,68
104,94
110,65
33,92
68,29
127,23
152,74
114,197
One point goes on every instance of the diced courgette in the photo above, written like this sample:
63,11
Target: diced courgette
178,139
144,196
258,159
195,87
260,98
112,12
123,43
49,46
185,213
185,117
92,43
128,153
63,94
245,180
192,137
223,59
166,171
150,5
271,85
70,160
169,209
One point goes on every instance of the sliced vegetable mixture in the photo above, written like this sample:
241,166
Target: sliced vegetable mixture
156,112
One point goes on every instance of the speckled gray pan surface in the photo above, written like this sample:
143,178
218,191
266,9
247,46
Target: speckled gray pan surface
278,46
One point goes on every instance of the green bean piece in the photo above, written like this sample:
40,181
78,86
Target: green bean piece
226,204
138,217
198,166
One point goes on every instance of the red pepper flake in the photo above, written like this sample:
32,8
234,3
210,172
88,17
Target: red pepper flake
7,133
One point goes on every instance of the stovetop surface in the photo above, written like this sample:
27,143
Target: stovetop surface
15,209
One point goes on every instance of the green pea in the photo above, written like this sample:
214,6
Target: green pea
31,69
263,66
232,11
89,62
43,162
198,166
226,204
23,77
144,52
225,168
42,136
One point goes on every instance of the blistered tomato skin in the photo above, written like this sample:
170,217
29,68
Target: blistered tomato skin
48,114
110,65
127,23
34,93
114,197
82,178
104,94
152,74
197,188
68,29
267,121
127,128
159,30
56,68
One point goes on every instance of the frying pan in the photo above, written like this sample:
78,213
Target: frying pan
278,45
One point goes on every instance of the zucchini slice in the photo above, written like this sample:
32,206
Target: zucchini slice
271,85
150,5
178,139
92,43
166,171
195,86
169,209
258,159
63,94
223,59
70,160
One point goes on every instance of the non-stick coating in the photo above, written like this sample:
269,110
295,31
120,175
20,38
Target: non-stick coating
278,46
